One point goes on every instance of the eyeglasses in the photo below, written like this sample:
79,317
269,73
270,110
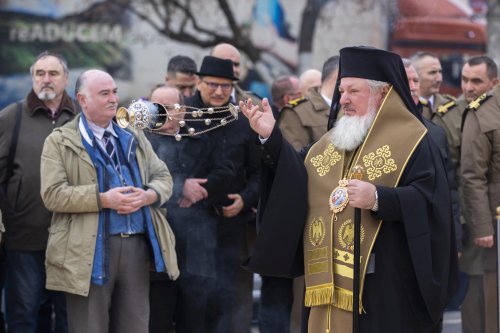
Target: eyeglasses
213,85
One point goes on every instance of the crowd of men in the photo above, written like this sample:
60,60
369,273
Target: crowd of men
124,230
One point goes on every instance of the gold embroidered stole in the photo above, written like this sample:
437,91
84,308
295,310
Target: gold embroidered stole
329,244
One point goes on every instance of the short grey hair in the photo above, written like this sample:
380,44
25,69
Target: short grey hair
80,82
59,57
407,62
376,86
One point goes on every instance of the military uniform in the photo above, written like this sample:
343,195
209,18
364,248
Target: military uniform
439,100
304,120
480,163
470,261
447,113
472,308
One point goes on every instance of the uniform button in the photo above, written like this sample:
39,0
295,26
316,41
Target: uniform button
268,156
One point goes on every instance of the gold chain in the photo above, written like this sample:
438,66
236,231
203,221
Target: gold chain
197,115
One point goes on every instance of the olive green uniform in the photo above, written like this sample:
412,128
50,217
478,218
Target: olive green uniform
304,120
480,163
447,113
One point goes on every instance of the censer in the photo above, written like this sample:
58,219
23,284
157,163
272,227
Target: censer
143,114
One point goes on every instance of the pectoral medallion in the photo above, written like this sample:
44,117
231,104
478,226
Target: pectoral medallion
339,198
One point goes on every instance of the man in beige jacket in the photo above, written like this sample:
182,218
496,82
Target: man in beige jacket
105,186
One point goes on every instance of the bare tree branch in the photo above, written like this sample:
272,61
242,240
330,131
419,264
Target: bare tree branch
308,25
224,6
157,9
161,20
143,17
189,15
239,40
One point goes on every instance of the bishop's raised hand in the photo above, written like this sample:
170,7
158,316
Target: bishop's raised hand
262,122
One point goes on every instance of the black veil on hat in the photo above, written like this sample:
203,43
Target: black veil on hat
374,64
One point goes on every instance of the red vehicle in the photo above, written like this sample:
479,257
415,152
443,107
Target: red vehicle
441,27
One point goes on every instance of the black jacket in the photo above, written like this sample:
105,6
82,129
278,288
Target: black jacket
194,227
235,142
438,136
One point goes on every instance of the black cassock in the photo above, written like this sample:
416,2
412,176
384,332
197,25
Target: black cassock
415,253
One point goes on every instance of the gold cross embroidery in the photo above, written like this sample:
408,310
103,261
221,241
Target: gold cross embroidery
379,162
325,161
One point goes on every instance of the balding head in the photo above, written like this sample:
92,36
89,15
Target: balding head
308,80
88,78
97,94
228,51
168,97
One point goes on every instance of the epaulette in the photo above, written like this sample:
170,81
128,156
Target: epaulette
447,107
475,104
297,101
423,101
449,97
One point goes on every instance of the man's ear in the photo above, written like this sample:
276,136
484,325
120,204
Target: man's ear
286,98
384,91
81,99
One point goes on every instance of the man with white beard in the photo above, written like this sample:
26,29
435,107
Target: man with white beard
349,132
25,125
408,263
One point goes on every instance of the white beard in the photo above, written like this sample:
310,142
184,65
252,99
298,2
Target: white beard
46,96
350,131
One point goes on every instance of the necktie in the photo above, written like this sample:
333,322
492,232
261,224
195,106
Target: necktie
110,149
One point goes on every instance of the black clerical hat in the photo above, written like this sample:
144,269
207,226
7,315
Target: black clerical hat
372,64
213,66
